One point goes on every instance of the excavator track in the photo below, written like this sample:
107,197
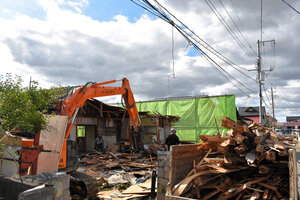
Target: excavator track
83,186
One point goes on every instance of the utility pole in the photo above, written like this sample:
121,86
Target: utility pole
259,75
30,82
273,111
259,81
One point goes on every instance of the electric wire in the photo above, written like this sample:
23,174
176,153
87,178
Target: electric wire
240,21
287,106
206,45
253,12
214,64
266,95
238,28
266,104
195,37
290,6
200,41
228,28
187,36
173,72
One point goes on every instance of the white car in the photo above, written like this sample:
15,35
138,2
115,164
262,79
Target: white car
296,132
278,132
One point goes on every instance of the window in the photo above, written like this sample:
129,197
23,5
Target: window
80,131
109,123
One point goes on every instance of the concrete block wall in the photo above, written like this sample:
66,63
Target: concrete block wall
46,192
42,186
50,186
163,173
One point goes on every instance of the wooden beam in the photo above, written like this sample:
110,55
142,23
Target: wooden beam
157,127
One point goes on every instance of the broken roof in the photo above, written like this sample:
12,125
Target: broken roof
250,111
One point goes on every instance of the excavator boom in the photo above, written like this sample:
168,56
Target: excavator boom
75,99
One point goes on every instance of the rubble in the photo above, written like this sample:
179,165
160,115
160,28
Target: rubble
251,162
120,175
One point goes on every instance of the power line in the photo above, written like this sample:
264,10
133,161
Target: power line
192,40
237,27
288,106
266,94
253,12
228,28
199,40
266,104
194,36
291,6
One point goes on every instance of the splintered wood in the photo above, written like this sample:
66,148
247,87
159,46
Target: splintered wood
251,162
96,161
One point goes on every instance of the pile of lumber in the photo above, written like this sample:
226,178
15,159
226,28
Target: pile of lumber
251,162
97,161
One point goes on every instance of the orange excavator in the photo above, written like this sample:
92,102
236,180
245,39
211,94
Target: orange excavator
82,184
70,105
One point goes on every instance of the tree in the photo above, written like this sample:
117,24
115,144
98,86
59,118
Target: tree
23,108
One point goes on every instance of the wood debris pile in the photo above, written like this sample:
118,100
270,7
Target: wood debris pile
251,162
120,175
97,161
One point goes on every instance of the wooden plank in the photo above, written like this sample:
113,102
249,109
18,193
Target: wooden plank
211,194
181,187
214,160
265,195
212,138
270,155
138,165
278,194
263,169
272,187
230,124
228,194
157,127
260,148
239,138
112,164
141,188
241,149
239,196
278,144
228,142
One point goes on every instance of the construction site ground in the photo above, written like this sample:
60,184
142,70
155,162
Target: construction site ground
120,175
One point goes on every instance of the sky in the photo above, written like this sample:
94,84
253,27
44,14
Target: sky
64,43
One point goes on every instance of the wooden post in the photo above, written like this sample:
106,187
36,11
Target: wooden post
157,127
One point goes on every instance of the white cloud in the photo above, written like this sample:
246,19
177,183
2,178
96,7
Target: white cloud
68,48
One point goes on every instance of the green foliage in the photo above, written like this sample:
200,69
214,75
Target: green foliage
103,185
58,91
123,186
22,108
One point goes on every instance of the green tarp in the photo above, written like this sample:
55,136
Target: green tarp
197,115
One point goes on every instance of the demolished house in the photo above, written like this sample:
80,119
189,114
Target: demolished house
97,118
93,118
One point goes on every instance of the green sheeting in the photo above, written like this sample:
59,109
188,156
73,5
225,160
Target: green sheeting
197,115
80,131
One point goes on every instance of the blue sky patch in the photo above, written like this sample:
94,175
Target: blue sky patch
192,52
10,8
105,10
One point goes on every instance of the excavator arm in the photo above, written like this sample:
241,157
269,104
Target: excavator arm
75,99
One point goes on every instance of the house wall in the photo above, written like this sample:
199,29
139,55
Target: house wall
255,119
90,135
111,130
